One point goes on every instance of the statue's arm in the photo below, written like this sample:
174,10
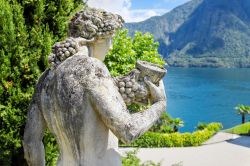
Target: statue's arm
33,135
109,104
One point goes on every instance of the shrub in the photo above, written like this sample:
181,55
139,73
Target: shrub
126,50
163,124
214,126
201,126
28,29
132,160
152,139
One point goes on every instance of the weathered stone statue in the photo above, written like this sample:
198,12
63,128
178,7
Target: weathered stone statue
82,105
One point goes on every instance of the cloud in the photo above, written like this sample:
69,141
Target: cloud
123,8
142,14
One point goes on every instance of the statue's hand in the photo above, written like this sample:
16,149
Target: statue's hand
83,42
157,93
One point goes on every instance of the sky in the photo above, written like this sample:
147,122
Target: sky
137,10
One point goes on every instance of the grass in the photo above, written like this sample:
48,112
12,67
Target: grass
243,129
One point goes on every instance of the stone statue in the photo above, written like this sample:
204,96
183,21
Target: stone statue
82,105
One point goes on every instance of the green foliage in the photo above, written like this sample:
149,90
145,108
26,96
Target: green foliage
214,126
242,110
132,160
243,129
51,149
163,124
176,123
28,28
126,50
121,58
152,139
146,49
166,124
201,126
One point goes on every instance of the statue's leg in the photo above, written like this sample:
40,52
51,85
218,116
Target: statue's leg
33,135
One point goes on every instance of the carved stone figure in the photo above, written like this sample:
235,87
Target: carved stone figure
82,105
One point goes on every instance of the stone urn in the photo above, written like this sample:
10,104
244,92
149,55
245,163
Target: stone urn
153,71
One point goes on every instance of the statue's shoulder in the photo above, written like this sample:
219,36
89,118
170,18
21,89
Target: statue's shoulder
82,66
43,80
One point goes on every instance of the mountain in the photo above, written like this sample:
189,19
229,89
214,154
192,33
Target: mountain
202,33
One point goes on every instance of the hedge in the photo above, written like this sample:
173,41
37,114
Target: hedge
153,139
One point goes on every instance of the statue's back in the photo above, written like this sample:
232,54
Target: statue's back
82,136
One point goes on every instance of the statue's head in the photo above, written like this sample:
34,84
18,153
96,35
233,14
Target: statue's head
98,26
94,23
95,28
132,86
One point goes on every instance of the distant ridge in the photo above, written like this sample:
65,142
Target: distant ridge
202,33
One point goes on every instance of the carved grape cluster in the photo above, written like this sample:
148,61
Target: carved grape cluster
63,50
131,90
91,22
127,88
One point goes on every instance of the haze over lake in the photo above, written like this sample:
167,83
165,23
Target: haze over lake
206,95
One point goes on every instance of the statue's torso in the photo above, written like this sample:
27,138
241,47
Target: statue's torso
82,136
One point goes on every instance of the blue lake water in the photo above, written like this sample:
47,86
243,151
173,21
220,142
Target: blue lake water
206,95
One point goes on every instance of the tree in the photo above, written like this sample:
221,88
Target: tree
126,50
28,29
146,48
242,110
176,123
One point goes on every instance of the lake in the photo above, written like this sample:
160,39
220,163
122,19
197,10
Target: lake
206,95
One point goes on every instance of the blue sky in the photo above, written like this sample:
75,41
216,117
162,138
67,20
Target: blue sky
156,4
137,10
